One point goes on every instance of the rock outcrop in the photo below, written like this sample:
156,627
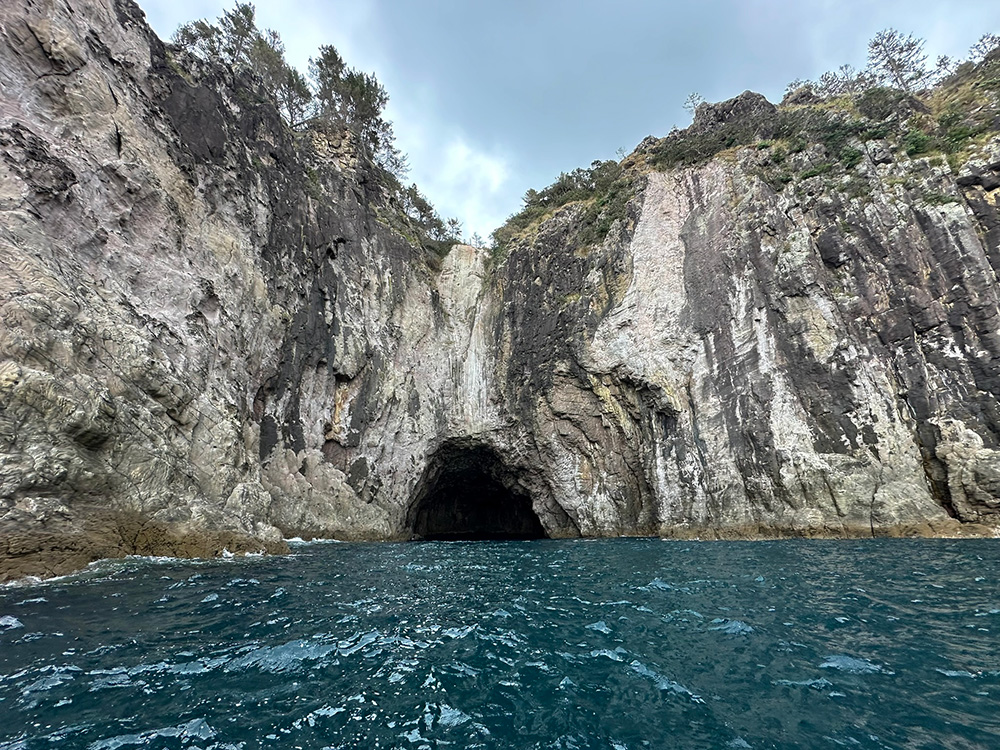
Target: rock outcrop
214,334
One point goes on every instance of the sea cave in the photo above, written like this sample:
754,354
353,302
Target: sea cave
467,493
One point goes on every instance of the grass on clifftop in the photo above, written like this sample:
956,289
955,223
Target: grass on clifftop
944,111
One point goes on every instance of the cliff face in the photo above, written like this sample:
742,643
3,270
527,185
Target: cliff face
180,277
756,359
211,337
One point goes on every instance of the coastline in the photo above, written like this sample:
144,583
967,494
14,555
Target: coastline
58,556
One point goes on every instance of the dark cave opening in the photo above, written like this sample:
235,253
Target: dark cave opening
468,494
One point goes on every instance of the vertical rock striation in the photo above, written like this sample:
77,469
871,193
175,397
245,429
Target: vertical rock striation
791,361
211,335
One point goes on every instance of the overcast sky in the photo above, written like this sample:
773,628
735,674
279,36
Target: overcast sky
489,99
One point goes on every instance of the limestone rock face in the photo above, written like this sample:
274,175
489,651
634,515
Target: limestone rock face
212,337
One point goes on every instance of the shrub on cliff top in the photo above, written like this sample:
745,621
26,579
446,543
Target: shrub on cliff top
879,102
581,184
885,94
841,108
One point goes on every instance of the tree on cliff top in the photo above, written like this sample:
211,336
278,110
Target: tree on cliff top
983,46
355,99
898,61
348,96
339,95
235,41
895,61
229,41
332,94
294,97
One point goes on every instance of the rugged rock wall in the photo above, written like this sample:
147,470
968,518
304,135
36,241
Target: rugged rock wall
796,361
186,288
211,336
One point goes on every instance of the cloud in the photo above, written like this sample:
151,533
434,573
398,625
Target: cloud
487,106
469,186
305,25
460,178
166,17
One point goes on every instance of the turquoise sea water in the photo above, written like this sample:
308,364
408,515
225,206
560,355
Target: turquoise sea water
553,644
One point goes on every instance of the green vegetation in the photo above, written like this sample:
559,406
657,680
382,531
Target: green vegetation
919,109
922,110
682,149
333,94
850,157
939,199
879,103
916,142
436,235
601,186
235,41
332,97
819,169
777,179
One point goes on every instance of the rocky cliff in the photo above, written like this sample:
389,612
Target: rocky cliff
215,332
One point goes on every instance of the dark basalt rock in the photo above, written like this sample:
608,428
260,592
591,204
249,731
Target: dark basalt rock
748,109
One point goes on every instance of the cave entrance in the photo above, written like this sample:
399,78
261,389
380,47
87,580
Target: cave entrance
467,493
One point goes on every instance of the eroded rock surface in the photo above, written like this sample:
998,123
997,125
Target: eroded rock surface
210,337
773,360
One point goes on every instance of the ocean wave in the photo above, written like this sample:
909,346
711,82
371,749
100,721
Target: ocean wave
853,665
664,683
731,627
9,622
196,729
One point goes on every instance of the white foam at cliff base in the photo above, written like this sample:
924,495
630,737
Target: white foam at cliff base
112,565
298,541
18,583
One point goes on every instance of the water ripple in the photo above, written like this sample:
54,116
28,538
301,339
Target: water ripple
600,644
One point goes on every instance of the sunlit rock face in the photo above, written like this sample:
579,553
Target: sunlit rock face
211,338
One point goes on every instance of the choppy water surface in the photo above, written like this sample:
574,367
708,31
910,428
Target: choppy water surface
601,644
